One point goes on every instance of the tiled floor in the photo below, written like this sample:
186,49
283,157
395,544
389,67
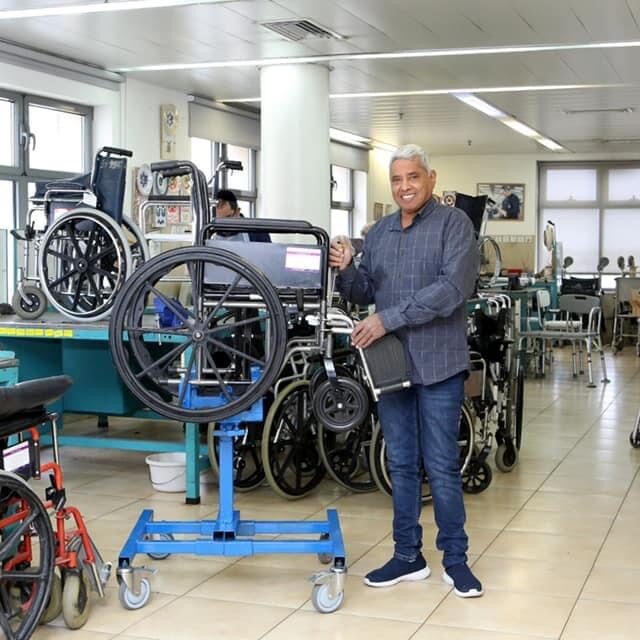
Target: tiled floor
555,541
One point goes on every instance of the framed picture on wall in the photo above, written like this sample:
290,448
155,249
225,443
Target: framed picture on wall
508,199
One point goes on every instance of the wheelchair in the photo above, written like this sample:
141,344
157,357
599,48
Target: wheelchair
31,591
84,248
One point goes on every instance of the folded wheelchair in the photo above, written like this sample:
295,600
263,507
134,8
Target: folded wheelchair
82,245
31,591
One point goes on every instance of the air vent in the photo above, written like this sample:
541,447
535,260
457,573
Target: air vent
575,112
296,30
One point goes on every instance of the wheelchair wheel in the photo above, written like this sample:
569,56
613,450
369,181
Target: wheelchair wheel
83,262
340,406
247,457
29,304
205,362
27,556
137,243
290,455
346,455
379,467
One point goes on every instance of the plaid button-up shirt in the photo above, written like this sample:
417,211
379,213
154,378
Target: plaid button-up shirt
419,278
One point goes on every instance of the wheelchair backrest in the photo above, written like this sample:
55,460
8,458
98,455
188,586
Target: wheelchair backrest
108,184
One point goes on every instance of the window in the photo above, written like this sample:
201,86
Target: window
342,204
208,155
40,139
594,207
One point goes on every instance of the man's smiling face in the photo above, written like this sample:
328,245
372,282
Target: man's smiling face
411,184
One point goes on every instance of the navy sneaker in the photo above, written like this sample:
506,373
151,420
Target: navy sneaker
398,571
464,583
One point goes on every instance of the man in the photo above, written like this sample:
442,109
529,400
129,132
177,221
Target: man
510,204
419,266
227,207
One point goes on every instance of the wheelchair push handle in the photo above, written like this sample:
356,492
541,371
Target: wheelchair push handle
115,151
170,168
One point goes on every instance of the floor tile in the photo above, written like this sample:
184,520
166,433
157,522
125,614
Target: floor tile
595,620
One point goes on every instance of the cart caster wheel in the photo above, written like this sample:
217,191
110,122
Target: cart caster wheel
76,600
34,305
477,476
634,439
325,558
130,600
323,601
159,536
54,605
506,457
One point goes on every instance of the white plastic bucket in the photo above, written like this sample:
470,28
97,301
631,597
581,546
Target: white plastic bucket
168,471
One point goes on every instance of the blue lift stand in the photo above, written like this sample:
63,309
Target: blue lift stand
228,535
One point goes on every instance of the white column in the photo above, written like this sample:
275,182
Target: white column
294,168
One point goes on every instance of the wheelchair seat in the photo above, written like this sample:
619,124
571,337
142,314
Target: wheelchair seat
29,398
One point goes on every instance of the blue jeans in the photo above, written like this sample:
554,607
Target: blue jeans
420,426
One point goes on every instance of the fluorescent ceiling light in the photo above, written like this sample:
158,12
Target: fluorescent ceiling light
446,92
390,55
520,127
480,105
345,136
99,7
550,144
508,120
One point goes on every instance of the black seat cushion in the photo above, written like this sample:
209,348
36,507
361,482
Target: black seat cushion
28,395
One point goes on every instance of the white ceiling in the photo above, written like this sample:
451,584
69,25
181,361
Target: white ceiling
230,31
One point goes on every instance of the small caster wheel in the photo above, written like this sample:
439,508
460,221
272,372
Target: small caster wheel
322,599
506,457
54,604
76,600
634,439
325,558
159,536
130,600
477,476
34,305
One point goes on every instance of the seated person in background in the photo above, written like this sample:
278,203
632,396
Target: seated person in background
227,207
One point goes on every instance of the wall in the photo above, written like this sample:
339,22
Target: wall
378,189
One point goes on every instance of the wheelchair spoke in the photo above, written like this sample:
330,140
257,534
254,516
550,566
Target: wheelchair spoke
180,311
19,576
7,545
216,373
241,354
183,390
76,295
105,252
222,300
6,629
62,278
72,236
239,323
165,360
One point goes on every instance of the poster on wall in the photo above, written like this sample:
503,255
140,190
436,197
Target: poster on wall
508,200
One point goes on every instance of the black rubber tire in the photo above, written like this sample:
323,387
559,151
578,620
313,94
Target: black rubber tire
342,406
136,361
290,456
27,595
346,456
81,253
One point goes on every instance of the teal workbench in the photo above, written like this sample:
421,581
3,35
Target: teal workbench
53,345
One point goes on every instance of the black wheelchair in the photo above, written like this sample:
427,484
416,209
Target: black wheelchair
84,248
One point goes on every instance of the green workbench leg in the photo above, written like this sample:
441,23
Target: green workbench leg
192,450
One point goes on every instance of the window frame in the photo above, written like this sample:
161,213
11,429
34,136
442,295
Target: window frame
20,174
345,205
601,203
